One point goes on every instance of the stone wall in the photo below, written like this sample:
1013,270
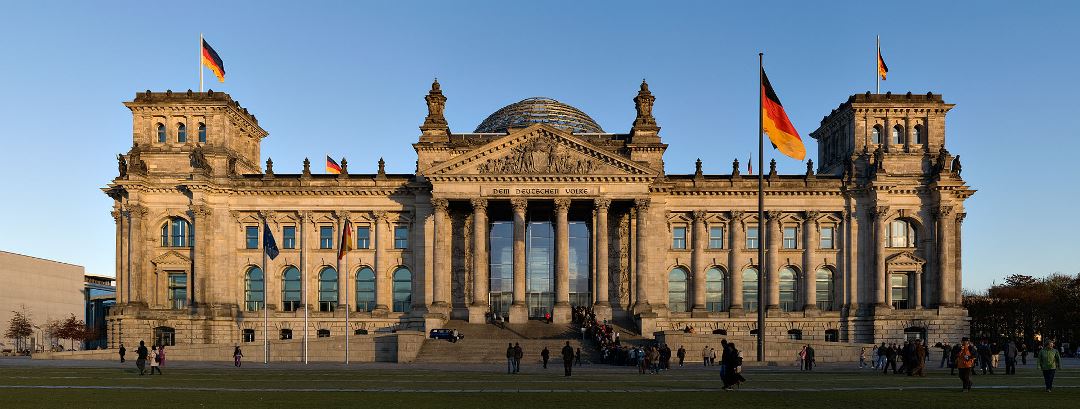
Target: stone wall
777,352
398,347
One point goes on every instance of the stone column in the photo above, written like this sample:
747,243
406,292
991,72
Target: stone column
383,281
944,218
916,277
642,265
810,245
697,260
343,266
305,243
602,307
142,285
561,312
518,312
735,288
479,306
440,277
772,270
957,261
880,281
120,262
850,248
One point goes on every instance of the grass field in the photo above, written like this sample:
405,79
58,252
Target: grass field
37,384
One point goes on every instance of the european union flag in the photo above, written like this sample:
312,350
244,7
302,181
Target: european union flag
269,244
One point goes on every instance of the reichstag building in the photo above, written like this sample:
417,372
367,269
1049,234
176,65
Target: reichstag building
537,211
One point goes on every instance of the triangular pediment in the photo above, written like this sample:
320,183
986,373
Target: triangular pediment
171,258
904,259
539,150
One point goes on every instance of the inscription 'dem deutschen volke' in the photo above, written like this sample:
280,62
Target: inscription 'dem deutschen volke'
540,191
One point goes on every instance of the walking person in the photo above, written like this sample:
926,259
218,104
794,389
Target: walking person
161,354
1010,357
712,357
1023,353
577,357
518,354
733,367
800,358
236,355
155,361
140,357
809,358
509,358
1049,362
955,352
123,351
965,363
880,356
681,354
920,358
568,358
544,356
705,354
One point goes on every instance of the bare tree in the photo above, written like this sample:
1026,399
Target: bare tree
19,328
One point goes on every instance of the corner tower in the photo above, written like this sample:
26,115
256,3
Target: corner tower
193,132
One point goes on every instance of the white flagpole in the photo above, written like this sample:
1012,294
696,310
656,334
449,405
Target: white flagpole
303,286
266,338
347,308
877,62
201,90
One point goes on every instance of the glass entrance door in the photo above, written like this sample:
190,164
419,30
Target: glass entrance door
539,268
501,267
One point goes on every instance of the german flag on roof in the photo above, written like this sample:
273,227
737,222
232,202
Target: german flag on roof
212,61
775,122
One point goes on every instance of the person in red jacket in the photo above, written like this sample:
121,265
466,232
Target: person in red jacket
965,362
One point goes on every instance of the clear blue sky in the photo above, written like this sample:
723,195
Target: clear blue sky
348,78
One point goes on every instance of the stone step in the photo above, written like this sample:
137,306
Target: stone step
494,350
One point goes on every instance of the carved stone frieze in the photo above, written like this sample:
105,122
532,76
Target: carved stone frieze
539,156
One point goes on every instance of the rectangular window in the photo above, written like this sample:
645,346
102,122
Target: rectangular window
363,237
177,290
401,237
251,236
249,335
288,237
716,237
791,235
678,238
752,237
827,238
326,237
899,284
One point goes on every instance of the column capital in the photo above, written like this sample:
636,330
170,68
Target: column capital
116,215
736,215
562,204
943,212
137,210
642,204
772,216
479,204
960,218
342,214
699,215
811,215
305,215
879,213
602,203
440,204
520,205
379,215
266,215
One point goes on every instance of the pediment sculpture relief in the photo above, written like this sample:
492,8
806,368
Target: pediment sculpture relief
539,156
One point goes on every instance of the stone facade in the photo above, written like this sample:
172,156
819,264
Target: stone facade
864,248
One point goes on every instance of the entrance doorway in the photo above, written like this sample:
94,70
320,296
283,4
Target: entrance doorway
539,268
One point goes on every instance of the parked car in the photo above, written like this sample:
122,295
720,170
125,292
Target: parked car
451,335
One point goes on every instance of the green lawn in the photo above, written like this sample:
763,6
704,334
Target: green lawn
32,384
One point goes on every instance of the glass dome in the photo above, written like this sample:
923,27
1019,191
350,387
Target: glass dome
538,110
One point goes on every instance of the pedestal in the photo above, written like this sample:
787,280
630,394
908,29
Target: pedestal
478,314
519,314
602,312
560,314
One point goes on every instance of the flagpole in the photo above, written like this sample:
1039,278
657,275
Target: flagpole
347,309
266,339
761,215
201,87
877,64
303,285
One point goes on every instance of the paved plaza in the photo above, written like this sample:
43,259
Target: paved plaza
31,383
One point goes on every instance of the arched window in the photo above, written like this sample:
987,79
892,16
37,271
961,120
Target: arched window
897,135
875,135
164,336
328,289
402,290
322,333
794,334
202,132
254,289
176,233
365,289
750,289
901,234
161,133
832,335
290,290
286,333
181,133
789,289
918,134
677,290
714,290
824,288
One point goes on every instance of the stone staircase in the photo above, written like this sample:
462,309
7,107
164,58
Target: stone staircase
486,343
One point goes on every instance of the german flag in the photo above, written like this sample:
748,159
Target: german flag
775,122
882,69
211,60
346,240
332,166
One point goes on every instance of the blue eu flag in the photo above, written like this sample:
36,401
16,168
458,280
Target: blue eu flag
269,244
